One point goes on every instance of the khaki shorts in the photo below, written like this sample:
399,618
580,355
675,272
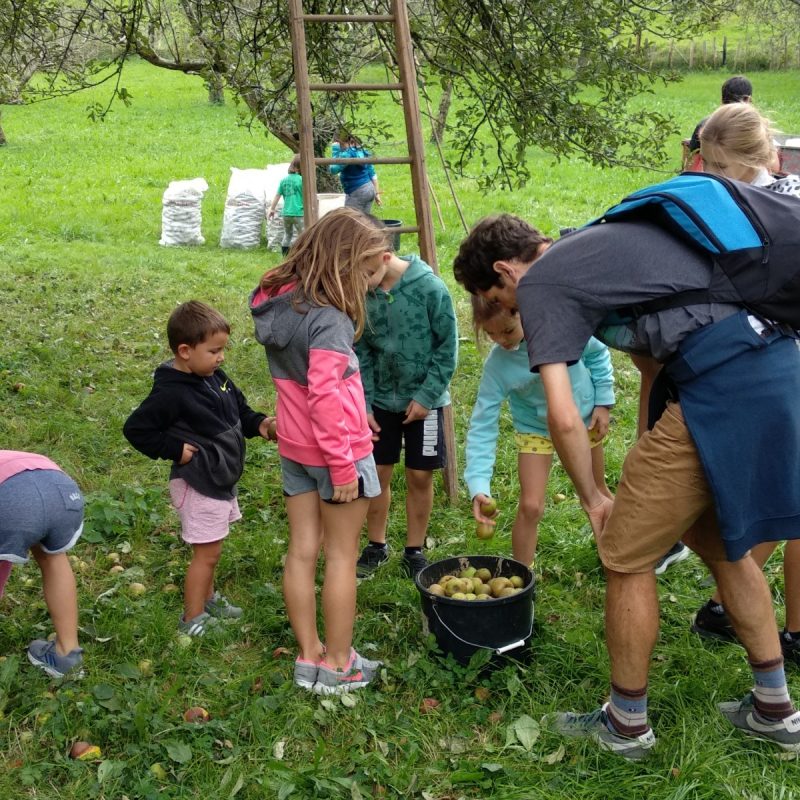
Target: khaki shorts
663,497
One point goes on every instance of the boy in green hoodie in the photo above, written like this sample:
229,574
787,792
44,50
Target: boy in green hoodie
407,355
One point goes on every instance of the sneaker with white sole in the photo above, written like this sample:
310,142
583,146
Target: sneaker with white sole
218,606
305,673
742,714
199,625
594,726
678,552
356,675
370,559
42,654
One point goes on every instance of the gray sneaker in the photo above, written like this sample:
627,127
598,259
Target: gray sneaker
360,671
42,654
305,673
593,726
218,606
743,715
199,625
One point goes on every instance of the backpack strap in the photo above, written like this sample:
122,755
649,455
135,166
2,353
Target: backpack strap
690,297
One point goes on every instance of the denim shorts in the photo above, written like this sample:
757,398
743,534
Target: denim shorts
300,478
39,507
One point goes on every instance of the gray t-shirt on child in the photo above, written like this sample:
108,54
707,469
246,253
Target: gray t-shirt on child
573,291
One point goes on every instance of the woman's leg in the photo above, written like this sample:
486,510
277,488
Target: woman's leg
534,469
199,584
342,524
300,572
61,596
791,584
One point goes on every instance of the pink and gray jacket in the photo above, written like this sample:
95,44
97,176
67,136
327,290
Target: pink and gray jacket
321,411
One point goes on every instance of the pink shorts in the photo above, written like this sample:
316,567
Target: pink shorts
203,519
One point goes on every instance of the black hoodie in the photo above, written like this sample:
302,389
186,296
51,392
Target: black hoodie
208,412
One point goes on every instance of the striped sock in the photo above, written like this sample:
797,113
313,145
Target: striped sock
627,711
770,695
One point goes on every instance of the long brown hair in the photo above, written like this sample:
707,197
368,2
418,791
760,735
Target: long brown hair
328,261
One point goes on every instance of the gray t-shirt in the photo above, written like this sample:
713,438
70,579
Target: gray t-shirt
573,291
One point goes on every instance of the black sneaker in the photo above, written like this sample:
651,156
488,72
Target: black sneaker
414,563
370,559
790,647
712,625
676,553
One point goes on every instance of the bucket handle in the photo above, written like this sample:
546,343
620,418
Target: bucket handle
499,650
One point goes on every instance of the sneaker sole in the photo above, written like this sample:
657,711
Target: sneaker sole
343,688
54,673
307,685
682,556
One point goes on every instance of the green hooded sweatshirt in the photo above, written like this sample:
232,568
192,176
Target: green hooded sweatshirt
409,347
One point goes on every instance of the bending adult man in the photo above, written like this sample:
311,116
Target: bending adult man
722,361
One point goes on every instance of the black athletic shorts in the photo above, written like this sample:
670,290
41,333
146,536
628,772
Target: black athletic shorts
423,439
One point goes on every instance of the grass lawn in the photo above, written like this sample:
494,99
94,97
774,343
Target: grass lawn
86,291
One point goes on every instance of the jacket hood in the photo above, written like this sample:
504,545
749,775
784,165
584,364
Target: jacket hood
276,319
417,269
167,375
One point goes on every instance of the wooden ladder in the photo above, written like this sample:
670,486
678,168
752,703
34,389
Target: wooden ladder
416,150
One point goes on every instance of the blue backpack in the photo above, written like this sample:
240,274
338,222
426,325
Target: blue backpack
752,235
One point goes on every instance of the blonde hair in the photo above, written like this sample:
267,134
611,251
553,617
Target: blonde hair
327,263
737,133
482,312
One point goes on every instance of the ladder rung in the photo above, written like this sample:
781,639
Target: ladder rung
347,18
404,229
325,162
356,87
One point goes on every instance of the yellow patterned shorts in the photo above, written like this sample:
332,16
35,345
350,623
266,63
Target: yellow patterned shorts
542,446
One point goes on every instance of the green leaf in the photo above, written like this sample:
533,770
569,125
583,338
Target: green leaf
109,769
492,767
102,691
179,752
527,731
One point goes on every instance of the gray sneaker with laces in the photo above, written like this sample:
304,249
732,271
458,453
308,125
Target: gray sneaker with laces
742,714
218,606
42,654
305,673
593,726
359,672
199,625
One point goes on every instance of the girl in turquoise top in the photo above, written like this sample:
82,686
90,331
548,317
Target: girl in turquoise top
507,375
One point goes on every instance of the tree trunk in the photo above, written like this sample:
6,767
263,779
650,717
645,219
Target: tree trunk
216,94
2,134
440,122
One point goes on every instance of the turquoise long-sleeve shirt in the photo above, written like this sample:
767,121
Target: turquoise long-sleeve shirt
507,375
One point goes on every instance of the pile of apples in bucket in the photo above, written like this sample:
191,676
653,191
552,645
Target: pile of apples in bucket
476,584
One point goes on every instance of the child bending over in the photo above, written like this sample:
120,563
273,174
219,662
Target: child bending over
507,375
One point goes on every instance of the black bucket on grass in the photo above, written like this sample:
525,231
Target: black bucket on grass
462,627
394,238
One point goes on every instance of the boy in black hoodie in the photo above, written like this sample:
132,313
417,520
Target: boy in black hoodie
195,417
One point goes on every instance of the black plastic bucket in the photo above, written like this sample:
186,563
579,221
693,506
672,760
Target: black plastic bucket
394,238
462,627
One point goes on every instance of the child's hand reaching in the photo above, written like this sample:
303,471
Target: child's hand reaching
477,502
601,417
415,411
345,493
268,429
188,451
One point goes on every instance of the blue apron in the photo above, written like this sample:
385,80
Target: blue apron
740,395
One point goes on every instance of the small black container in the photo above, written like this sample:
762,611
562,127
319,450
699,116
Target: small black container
462,627
394,238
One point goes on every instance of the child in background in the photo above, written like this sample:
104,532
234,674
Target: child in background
507,375
42,513
738,143
359,181
291,190
196,418
408,354
307,313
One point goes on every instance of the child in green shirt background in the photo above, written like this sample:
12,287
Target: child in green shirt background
291,190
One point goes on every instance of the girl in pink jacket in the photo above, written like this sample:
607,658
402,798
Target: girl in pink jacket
307,313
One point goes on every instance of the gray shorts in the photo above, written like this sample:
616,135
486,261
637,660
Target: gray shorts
299,478
39,506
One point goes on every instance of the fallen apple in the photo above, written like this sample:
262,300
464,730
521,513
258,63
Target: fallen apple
137,589
158,772
428,704
146,667
559,497
196,714
184,640
85,751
